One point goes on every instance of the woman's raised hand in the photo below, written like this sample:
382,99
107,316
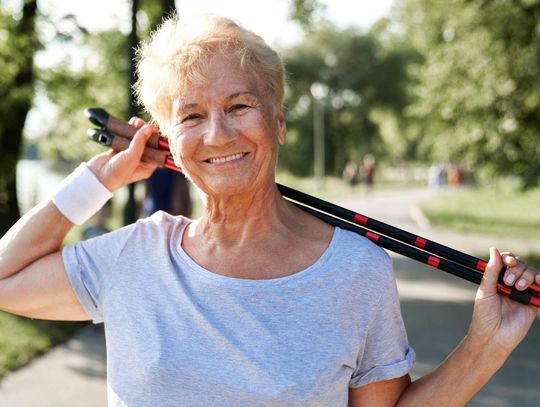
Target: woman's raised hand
499,322
117,169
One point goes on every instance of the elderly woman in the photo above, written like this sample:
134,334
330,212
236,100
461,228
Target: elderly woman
256,303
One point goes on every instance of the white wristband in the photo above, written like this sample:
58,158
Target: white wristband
81,195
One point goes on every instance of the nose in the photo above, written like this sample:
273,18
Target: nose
218,133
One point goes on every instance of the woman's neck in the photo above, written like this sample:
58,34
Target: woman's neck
237,218
254,238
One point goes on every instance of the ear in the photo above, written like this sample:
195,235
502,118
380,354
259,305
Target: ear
282,128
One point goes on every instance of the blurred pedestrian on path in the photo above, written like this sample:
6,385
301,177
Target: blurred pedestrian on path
368,171
351,173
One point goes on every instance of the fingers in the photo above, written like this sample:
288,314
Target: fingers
116,169
141,137
518,273
488,285
143,171
130,159
136,122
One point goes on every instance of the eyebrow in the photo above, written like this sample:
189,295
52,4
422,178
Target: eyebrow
188,106
237,94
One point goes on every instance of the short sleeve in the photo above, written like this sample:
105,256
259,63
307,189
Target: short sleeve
89,265
386,353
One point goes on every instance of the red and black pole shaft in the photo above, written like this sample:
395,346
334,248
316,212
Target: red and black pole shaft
389,230
524,297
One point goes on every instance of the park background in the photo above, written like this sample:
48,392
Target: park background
419,84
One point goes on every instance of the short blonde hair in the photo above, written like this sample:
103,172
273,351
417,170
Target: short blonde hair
179,50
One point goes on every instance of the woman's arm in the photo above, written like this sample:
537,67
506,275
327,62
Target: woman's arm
498,326
32,275
453,383
384,393
33,281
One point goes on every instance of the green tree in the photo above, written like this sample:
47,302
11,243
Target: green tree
105,81
365,78
307,13
102,82
99,78
476,92
18,43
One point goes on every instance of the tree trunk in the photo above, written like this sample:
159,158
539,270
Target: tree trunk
167,7
13,114
130,209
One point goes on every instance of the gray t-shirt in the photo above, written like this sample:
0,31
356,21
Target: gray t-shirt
180,335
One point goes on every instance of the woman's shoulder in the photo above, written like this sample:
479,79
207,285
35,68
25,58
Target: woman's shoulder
151,229
159,224
162,218
361,258
357,246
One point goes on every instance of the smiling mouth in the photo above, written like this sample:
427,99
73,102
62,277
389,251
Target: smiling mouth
228,158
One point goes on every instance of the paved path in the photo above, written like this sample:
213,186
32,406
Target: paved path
71,375
436,309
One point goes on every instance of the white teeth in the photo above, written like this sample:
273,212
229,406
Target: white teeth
225,159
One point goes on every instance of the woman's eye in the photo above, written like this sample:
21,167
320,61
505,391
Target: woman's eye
191,117
238,107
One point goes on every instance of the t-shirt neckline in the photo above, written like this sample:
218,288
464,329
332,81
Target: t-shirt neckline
198,271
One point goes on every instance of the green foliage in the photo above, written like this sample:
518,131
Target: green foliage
306,12
22,339
155,12
477,94
100,83
99,78
363,77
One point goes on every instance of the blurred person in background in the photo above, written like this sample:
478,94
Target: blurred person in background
167,191
351,173
368,171
436,176
453,174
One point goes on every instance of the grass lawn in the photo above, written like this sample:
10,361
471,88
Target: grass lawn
534,260
22,339
489,211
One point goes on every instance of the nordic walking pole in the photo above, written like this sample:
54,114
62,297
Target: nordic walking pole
390,231
340,216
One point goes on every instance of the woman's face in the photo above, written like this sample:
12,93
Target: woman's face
224,134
